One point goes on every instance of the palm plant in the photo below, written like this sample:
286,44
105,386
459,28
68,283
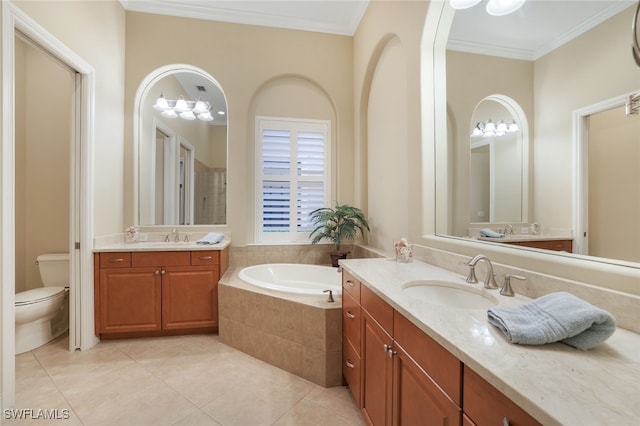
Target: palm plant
337,225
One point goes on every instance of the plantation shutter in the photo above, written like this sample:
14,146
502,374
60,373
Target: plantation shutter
292,176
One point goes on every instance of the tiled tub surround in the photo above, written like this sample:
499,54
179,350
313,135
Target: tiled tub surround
300,334
555,383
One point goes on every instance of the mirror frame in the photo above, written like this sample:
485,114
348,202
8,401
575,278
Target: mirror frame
597,271
141,93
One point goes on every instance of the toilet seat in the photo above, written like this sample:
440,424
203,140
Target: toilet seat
37,295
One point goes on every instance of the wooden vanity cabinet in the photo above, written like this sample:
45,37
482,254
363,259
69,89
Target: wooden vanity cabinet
157,292
402,376
351,335
397,386
555,245
485,405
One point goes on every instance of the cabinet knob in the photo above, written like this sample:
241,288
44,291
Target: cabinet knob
156,272
505,421
389,350
350,283
350,364
163,272
350,315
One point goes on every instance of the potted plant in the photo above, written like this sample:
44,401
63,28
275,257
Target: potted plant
337,225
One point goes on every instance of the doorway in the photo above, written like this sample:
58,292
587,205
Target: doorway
80,205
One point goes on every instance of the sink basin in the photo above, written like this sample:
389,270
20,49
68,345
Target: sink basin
448,294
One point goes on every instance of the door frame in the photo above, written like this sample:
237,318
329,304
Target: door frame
81,321
581,168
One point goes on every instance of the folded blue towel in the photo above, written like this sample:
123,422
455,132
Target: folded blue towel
486,232
555,317
211,238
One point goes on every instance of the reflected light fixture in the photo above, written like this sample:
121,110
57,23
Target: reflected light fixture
185,109
494,7
488,128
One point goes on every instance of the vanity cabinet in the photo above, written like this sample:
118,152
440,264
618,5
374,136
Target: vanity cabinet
397,383
485,405
555,245
138,293
401,376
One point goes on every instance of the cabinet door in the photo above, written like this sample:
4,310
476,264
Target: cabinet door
417,400
130,300
377,370
190,297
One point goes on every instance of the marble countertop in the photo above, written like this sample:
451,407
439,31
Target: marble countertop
524,237
555,383
160,246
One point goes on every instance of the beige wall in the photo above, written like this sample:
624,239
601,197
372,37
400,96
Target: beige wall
43,107
576,75
245,59
470,79
95,31
386,58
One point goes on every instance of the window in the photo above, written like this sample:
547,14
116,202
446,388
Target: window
292,176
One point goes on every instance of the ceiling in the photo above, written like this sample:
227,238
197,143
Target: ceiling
534,30
326,16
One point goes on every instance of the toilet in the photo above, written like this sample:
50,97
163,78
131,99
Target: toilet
42,313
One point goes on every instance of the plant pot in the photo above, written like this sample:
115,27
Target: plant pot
337,255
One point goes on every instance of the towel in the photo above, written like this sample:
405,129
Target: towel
486,232
211,238
555,317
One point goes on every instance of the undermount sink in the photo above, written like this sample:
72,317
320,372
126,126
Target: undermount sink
448,294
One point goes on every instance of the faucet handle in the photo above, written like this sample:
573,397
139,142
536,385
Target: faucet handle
506,289
471,278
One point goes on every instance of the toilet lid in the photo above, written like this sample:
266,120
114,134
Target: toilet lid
37,295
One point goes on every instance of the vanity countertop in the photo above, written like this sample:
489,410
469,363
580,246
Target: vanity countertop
524,237
161,246
555,383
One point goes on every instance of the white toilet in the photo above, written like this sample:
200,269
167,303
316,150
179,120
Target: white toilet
42,313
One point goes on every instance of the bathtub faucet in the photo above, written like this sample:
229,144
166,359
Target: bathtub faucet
330,300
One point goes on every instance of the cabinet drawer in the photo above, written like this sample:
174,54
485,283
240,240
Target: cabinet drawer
379,310
204,258
351,363
351,285
115,260
436,361
160,258
351,321
485,405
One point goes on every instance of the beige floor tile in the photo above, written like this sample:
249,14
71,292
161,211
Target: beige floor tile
182,381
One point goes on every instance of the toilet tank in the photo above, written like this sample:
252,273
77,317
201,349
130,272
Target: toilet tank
54,269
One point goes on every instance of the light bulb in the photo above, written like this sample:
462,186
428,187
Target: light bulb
489,126
501,127
169,113
463,4
161,103
503,7
201,107
181,105
205,116
187,115
513,127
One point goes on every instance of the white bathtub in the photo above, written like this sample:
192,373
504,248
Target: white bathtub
294,278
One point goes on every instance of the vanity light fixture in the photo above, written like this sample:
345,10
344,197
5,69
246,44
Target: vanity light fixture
494,7
489,128
185,109
632,106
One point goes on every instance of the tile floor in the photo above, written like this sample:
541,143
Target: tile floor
182,380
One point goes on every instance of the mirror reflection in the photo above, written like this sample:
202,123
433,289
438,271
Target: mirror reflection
182,151
496,165
583,61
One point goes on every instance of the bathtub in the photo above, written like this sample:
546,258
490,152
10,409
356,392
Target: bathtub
294,278
278,313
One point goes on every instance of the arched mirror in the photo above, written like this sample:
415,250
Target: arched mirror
181,148
498,163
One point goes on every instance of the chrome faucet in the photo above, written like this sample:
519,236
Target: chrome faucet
490,279
508,230
506,289
176,235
